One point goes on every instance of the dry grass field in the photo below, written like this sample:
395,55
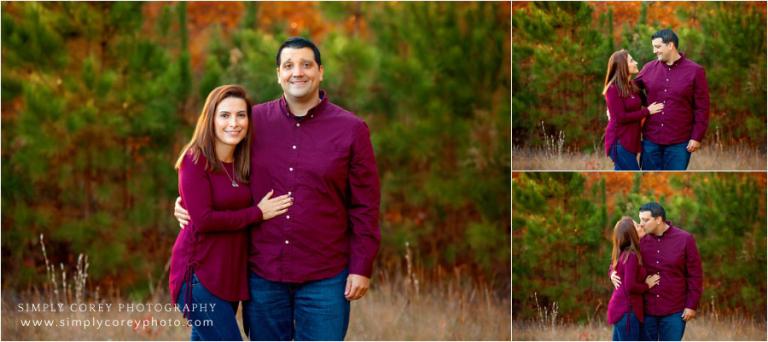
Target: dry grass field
709,158
706,328
400,307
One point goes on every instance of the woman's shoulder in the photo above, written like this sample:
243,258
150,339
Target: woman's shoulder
193,160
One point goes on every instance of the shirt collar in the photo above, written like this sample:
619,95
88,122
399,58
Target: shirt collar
312,111
677,62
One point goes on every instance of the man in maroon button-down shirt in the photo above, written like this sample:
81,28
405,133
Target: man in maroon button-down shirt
670,136
671,253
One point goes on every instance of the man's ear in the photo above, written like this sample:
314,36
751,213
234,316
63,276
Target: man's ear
322,70
277,72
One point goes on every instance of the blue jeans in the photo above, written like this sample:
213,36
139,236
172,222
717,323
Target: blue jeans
623,159
664,157
318,308
216,310
664,328
627,328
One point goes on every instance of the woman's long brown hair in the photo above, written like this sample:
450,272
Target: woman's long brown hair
625,239
618,74
204,139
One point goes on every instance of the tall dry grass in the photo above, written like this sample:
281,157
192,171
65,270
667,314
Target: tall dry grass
710,325
709,158
397,307
705,328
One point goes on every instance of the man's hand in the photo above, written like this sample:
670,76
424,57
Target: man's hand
357,286
688,314
693,146
616,280
181,214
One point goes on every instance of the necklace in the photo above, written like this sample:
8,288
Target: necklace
234,184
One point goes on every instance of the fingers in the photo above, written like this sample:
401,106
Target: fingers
348,288
266,197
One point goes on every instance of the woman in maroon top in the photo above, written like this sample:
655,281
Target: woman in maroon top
208,275
625,309
625,111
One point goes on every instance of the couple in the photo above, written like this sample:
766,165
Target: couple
674,123
279,210
657,277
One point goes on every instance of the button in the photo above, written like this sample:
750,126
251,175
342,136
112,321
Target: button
312,116
667,80
293,147
665,90
298,124
286,242
289,192
656,251
288,217
662,125
657,296
290,169
657,261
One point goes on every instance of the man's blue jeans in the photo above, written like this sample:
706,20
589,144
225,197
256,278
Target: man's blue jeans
319,309
627,328
664,157
213,323
623,159
664,328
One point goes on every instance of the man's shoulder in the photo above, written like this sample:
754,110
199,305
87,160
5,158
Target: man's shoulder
265,106
343,115
681,232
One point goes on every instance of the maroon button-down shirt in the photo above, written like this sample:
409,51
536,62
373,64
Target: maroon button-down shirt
215,243
624,124
325,161
682,88
675,257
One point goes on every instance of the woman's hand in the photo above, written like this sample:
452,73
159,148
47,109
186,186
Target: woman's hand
271,207
655,107
652,280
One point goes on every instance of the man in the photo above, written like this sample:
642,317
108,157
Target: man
306,265
671,253
670,136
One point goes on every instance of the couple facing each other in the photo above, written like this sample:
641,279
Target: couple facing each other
279,210
672,125
657,277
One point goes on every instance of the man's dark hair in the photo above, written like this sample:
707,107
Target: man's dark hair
298,43
667,36
655,209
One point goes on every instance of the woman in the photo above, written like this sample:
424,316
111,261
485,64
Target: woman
625,111
625,309
208,274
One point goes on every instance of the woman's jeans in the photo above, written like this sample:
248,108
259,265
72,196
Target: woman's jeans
623,159
212,318
627,328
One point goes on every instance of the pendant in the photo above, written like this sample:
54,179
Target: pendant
234,184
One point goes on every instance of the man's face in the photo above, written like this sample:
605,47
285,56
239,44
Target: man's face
663,51
648,222
298,73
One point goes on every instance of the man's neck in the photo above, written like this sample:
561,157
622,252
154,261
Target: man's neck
674,59
663,230
300,107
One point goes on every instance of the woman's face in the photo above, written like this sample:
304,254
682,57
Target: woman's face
632,65
640,231
230,121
